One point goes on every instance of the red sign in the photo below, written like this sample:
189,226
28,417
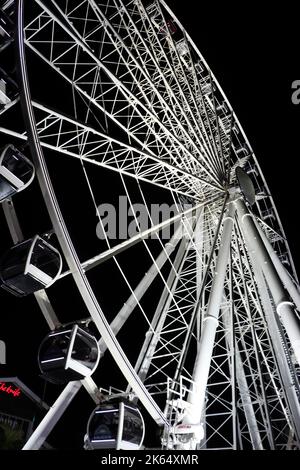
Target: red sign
16,392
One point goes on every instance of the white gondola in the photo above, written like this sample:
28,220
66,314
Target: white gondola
68,354
115,425
30,266
16,172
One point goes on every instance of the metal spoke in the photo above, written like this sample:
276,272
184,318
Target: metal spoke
216,359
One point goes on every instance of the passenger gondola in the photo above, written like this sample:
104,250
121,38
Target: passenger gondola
115,425
68,354
30,266
16,172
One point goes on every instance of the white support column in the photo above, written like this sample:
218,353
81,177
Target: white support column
247,403
261,257
12,221
279,351
196,396
282,272
48,422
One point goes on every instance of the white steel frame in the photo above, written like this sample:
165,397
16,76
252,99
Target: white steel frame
219,367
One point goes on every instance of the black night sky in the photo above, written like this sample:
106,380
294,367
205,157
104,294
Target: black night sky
254,54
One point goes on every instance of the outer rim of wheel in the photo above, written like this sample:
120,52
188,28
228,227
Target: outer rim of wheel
63,235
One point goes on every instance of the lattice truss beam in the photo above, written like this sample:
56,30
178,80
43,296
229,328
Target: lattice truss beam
161,61
261,388
137,73
69,137
255,414
145,104
170,333
220,414
246,401
121,84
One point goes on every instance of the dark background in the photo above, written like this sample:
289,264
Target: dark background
254,54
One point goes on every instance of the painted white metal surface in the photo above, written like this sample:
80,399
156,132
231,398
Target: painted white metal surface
215,329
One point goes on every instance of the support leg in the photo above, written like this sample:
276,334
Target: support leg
46,425
282,272
261,258
196,396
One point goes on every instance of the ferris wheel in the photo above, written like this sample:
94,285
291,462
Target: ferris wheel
132,119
